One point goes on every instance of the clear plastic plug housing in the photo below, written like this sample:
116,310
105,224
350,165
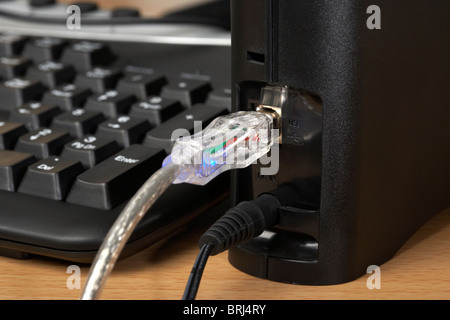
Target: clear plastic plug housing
234,141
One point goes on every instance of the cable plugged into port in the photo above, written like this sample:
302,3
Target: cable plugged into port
275,114
273,98
230,142
240,224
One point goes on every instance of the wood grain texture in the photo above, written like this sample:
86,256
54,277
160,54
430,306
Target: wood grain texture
420,270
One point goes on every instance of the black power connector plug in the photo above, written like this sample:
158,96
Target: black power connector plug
241,223
238,225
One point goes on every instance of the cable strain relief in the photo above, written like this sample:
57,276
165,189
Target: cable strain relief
241,223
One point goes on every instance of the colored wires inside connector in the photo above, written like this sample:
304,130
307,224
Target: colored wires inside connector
230,142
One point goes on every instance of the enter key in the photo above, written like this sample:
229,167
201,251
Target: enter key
116,179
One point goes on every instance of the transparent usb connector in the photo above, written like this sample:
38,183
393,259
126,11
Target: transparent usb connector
234,141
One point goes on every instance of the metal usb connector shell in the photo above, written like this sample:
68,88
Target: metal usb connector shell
275,113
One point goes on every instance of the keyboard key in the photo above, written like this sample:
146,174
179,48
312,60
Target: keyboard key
43,143
156,109
51,73
86,6
111,103
11,44
67,97
90,150
220,98
44,49
142,85
188,92
10,133
131,69
85,55
78,122
12,168
41,3
50,178
34,115
99,79
17,91
116,179
13,66
182,124
124,129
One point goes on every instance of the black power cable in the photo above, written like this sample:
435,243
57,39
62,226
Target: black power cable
240,224
197,272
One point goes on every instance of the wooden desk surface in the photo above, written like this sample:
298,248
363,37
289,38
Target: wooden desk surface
148,8
420,270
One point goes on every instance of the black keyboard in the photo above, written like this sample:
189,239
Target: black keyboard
84,123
